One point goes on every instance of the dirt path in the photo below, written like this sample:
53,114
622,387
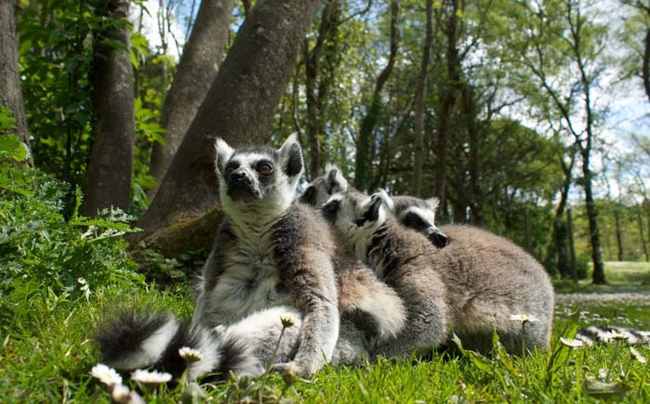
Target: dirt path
641,297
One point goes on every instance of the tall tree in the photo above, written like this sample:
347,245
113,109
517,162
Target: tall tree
420,97
196,71
11,95
316,91
565,43
239,107
364,143
449,99
108,180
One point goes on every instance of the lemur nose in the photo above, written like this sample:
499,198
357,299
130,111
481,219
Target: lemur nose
239,176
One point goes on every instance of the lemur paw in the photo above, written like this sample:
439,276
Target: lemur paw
288,367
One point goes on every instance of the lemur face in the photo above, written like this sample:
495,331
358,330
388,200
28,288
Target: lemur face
356,215
420,216
251,174
320,190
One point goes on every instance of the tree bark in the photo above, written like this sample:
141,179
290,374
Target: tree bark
363,162
645,71
619,235
420,97
558,255
448,103
196,71
572,250
470,112
11,95
529,238
239,107
108,180
644,244
314,92
598,276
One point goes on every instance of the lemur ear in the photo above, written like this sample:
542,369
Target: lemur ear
433,203
224,153
386,199
335,181
291,156
371,213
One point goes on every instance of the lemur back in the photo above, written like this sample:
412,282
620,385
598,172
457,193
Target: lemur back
473,285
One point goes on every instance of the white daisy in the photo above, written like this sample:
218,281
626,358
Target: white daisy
120,394
190,355
637,355
106,375
147,377
524,318
572,343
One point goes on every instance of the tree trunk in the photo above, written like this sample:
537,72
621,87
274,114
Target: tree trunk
363,162
529,238
572,249
598,276
645,72
639,216
448,103
619,235
420,97
11,95
108,181
315,93
470,113
196,72
558,254
239,107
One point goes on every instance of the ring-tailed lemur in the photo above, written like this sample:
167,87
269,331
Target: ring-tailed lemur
473,285
272,251
415,213
132,340
607,333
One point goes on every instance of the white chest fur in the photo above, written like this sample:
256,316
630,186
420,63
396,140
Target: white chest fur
249,282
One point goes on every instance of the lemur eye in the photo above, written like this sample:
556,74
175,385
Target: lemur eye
229,170
265,169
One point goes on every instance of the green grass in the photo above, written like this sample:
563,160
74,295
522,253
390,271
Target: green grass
621,277
46,354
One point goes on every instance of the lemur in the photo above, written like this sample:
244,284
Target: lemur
270,251
472,286
415,213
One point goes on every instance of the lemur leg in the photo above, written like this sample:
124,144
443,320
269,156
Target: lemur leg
426,323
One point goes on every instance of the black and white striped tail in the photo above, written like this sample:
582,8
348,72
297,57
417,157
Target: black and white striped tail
135,340
606,333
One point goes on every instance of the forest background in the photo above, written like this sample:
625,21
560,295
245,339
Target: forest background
528,118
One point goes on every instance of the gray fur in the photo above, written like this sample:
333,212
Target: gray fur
270,252
418,214
473,285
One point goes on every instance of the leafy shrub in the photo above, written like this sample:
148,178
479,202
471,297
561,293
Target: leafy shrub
43,253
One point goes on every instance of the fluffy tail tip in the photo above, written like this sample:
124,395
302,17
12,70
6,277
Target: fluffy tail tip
133,339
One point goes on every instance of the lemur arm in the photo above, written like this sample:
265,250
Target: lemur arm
307,274
313,291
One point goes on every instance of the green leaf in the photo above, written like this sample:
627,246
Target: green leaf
12,147
478,360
